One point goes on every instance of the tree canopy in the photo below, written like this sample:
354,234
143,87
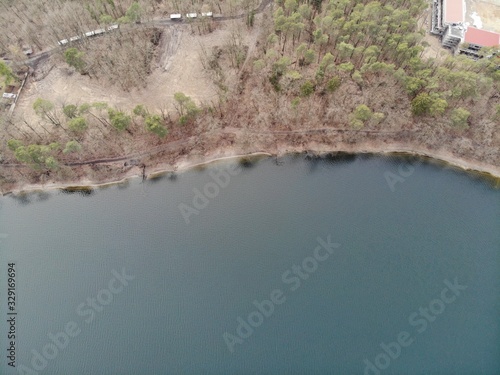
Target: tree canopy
154,124
75,59
119,120
6,72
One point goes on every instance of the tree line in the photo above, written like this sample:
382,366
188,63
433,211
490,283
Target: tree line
313,47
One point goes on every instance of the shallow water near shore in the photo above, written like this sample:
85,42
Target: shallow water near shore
225,275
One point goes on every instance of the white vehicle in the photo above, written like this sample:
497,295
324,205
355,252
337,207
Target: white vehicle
75,38
113,27
99,31
208,14
63,42
90,33
175,16
191,15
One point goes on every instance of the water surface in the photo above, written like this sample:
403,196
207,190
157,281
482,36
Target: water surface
399,248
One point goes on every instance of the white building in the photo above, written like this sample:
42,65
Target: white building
448,20
453,35
446,13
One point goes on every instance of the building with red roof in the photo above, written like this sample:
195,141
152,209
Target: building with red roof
448,21
453,11
481,37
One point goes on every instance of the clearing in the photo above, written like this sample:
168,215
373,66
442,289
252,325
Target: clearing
487,10
176,68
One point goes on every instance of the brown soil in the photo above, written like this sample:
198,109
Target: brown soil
178,69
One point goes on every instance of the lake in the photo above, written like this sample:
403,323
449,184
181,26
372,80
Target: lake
301,265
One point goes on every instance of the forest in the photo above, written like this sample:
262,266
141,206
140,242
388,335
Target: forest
328,72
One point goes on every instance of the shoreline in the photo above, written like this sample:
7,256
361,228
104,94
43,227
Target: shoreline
444,158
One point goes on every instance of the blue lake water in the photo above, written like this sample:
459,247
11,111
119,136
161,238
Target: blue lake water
335,265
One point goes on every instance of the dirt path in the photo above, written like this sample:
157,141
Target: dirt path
39,57
380,147
226,131
252,41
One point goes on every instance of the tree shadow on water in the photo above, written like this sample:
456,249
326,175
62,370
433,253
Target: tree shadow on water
159,177
247,163
22,199
172,176
42,196
84,191
26,198
315,161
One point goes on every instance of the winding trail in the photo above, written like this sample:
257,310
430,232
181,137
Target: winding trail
226,131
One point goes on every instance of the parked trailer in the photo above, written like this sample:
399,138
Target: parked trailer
175,16
88,34
208,14
191,15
